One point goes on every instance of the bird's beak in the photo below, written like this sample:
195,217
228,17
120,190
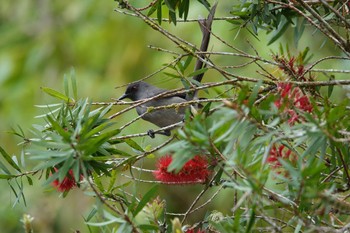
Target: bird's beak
123,96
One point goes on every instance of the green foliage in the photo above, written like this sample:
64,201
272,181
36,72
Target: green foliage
275,17
276,144
266,16
174,7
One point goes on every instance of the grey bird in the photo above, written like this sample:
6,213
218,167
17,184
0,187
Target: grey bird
162,117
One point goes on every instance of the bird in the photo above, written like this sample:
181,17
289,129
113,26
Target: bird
160,117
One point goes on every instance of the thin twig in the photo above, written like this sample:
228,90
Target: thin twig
345,166
325,3
197,199
103,200
180,20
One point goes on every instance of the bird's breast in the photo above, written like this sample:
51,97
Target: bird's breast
161,117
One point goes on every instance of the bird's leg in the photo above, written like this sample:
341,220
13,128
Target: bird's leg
152,134
166,132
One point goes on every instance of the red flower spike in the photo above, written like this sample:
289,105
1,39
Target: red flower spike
300,70
291,63
280,152
67,183
293,116
193,172
193,231
292,96
304,104
284,88
291,68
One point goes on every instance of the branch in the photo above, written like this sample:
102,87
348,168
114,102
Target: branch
336,36
339,41
181,20
205,26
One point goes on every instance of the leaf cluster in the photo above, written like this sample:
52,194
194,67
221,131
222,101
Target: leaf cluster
275,17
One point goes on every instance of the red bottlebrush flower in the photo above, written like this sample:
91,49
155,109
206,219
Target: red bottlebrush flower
193,231
300,70
285,89
292,97
291,63
290,67
280,152
303,103
67,183
293,116
194,171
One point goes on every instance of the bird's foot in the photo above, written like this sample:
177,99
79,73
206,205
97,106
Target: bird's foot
166,132
152,134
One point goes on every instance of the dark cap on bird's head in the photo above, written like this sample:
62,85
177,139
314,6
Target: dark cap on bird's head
131,91
140,90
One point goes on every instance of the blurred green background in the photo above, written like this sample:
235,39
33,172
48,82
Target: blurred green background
42,40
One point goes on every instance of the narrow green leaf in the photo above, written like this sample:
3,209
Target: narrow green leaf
106,110
146,198
76,170
50,178
63,171
98,182
9,160
94,143
48,113
187,61
254,33
49,164
65,85
20,187
159,12
330,87
185,82
183,9
97,129
255,93
124,185
170,4
148,228
100,224
197,72
218,176
172,75
179,161
91,214
30,181
172,17
74,83
55,94
298,31
47,105
206,108
6,177
251,220
205,3
112,180
55,125
14,192
186,7
133,144
4,168
110,219
282,27
115,151
153,8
